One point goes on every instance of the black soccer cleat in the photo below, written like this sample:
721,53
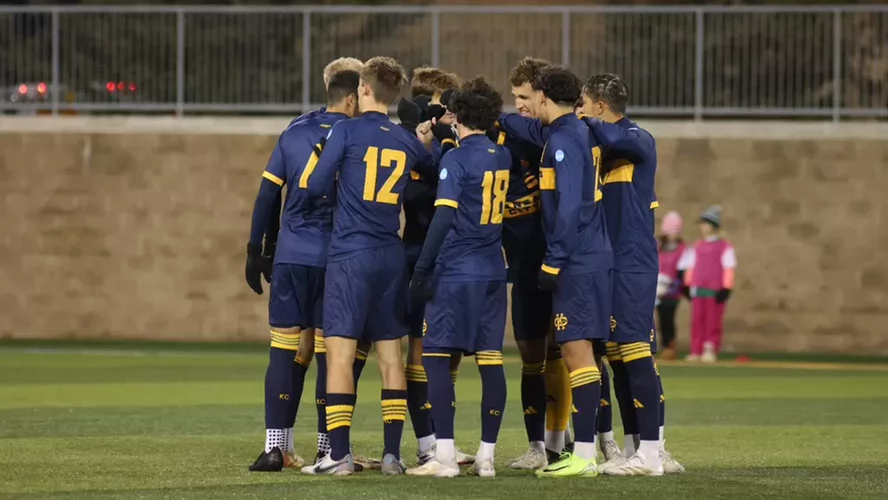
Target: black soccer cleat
272,461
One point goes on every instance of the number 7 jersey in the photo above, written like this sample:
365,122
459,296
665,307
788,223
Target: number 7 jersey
474,179
372,157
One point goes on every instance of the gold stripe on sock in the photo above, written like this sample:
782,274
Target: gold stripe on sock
298,361
394,410
584,376
320,345
286,341
489,358
415,373
635,351
533,368
339,416
454,375
361,355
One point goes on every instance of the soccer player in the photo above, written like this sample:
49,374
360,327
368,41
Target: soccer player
335,66
365,283
427,88
578,261
628,187
461,269
297,280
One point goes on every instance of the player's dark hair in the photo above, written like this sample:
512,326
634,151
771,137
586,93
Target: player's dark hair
527,70
386,77
429,81
609,88
477,105
341,85
559,84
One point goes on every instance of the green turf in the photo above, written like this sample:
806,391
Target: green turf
173,421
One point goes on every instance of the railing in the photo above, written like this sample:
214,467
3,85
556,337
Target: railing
729,61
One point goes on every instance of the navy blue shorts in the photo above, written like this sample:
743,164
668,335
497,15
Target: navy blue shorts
531,309
633,308
296,296
415,308
581,305
365,295
467,316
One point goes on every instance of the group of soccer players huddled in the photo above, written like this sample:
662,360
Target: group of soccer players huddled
564,188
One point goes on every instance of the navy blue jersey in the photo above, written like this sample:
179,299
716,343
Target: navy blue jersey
628,172
474,180
372,157
307,116
305,224
419,202
573,216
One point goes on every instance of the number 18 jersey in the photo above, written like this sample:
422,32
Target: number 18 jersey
474,179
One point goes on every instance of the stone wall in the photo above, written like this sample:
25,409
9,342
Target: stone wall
136,228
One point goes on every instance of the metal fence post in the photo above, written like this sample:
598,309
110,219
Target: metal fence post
306,60
698,68
436,38
565,38
56,64
837,65
180,62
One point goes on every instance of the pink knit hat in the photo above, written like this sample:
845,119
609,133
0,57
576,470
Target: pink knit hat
671,223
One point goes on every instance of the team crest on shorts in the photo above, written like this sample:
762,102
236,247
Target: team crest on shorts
652,335
425,327
560,322
613,324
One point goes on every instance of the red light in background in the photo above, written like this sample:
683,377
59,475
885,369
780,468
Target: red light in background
132,87
23,89
110,86
41,88
120,86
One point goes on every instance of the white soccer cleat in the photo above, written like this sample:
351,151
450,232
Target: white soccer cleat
392,466
423,457
434,468
670,465
483,468
328,466
638,465
610,449
613,463
532,459
464,458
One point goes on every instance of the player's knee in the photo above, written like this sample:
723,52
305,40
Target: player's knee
577,354
285,338
414,351
455,359
533,351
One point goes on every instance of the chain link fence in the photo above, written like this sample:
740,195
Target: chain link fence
826,62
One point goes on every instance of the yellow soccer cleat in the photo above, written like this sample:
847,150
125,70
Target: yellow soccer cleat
570,465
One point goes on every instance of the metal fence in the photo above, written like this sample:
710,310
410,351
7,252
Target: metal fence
827,62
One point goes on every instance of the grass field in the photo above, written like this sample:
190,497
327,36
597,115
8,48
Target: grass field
184,422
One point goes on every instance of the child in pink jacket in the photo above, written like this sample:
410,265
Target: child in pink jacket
671,248
709,278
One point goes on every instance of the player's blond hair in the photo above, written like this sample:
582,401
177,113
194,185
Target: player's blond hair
428,81
386,77
341,64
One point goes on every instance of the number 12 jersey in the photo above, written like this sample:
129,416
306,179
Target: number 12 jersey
474,179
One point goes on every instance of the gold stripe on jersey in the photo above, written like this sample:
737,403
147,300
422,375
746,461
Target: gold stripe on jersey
273,178
446,203
525,205
622,173
547,178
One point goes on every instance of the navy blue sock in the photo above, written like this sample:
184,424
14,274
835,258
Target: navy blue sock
442,395
278,388
418,400
340,408
605,410
662,398
298,373
622,390
533,400
394,411
493,394
585,388
644,387
321,395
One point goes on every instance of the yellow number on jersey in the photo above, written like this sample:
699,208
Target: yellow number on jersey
596,160
391,158
493,197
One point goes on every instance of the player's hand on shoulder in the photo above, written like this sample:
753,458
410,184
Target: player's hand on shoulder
424,133
257,265
421,286
443,132
410,114
547,281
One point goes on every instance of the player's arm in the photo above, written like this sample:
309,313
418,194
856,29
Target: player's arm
426,162
567,169
273,179
326,159
632,143
527,129
446,204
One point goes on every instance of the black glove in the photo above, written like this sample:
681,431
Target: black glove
257,265
410,114
686,291
443,132
722,295
436,111
268,253
547,281
421,287
446,96
423,103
